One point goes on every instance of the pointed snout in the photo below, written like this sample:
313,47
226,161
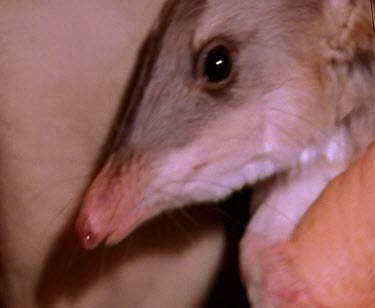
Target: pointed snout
112,207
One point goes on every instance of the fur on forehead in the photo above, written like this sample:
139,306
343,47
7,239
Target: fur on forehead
271,18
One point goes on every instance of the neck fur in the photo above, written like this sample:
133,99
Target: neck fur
348,63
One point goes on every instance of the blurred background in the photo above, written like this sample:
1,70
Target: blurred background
63,71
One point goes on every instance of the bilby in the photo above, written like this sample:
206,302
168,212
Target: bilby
276,94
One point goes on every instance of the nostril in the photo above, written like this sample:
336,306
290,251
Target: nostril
87,235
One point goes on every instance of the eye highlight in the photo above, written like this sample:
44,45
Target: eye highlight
215,64
218,64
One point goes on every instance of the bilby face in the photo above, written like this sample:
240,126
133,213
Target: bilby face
225,94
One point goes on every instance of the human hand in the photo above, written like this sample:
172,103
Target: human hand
329,259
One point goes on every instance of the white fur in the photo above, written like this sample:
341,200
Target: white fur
249,149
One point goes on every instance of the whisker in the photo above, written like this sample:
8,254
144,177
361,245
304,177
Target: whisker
73,256
372,17
188,216
102,262
130,246
66,266
302,119
290,141
173,198
180,226
196,9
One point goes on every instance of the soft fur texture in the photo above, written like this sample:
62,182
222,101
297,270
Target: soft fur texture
298,111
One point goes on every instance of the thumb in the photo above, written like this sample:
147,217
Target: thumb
335,240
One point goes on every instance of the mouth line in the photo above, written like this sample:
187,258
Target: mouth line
93,228
121,229
135,219
116,230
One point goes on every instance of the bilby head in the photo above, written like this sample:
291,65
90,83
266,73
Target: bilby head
225,93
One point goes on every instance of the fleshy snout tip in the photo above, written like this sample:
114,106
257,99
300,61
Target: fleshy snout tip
87,236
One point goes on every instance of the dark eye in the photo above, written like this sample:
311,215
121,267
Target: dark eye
216,64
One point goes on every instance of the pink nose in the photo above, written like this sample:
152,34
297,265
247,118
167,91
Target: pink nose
96,217
110,209
86,232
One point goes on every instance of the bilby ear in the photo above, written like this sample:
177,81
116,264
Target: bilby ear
348,27
348,53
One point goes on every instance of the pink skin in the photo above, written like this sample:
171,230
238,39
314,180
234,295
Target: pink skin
328,261
276,282
112,207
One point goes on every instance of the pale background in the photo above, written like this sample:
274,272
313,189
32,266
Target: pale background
63,67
